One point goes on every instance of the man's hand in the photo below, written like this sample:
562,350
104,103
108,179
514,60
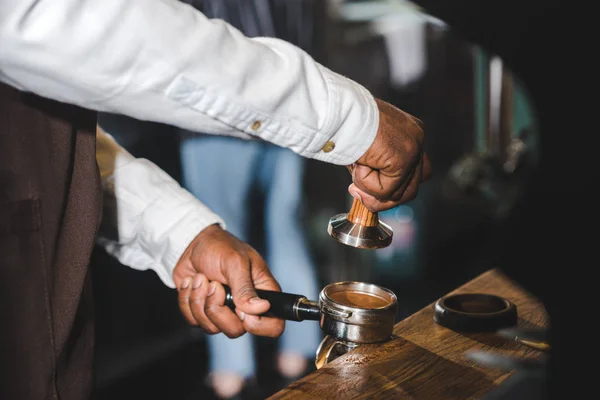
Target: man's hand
390,171
214,257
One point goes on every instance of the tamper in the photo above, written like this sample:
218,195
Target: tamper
360,228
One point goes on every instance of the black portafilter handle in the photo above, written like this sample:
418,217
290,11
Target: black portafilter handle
291,307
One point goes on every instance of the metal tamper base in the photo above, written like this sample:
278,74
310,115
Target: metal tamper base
360,228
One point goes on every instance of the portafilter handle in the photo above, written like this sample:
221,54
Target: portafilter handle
287,306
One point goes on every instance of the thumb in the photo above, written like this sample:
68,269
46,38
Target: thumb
242,289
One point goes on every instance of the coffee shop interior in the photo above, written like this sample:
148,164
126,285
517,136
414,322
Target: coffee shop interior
481,137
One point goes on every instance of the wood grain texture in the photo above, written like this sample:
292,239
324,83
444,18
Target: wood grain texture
359,214
424,360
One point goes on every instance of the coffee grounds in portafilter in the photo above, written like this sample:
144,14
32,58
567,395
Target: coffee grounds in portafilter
353,298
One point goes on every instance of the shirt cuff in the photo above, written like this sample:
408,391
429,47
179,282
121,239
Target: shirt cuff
351,125
186,222
181,239
149,220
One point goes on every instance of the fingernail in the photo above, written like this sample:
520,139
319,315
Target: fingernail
213,287
186,282
241,315
197,282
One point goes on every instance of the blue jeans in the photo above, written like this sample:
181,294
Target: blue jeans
221,172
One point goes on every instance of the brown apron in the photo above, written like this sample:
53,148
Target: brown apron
50,205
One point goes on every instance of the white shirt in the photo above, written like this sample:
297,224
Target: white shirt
162,60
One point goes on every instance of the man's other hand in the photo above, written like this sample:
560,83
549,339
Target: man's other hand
216,257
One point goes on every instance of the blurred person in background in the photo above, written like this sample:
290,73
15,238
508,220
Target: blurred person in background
164,61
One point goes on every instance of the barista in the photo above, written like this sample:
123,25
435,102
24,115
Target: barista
161,61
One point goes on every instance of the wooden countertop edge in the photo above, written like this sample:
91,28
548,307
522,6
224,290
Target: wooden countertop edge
443,343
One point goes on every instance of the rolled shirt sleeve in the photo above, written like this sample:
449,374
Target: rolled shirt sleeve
148,218
164,61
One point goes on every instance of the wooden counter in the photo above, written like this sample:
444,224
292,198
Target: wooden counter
424,360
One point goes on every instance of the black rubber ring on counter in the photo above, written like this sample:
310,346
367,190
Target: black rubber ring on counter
475,312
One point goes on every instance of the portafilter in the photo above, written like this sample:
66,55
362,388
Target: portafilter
349,313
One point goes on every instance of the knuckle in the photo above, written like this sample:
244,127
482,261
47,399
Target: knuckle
246,290
411,147
263,278
210,309
235,257
235,260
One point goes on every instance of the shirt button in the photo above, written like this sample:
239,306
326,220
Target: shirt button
255,125
328,146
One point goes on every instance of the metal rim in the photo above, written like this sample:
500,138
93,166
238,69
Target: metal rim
367,288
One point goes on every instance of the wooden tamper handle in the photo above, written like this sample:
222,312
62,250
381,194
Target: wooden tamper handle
360,215
360,228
